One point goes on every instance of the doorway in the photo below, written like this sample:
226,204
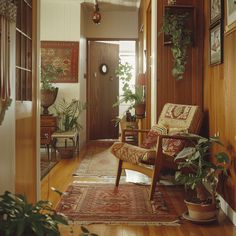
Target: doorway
104,87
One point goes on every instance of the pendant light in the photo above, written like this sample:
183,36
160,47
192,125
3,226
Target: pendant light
96,17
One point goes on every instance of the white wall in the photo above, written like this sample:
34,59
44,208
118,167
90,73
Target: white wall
114,24
7,134
60,21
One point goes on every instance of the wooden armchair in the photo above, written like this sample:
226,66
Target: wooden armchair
163,142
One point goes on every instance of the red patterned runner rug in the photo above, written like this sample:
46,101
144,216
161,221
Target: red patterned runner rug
129,204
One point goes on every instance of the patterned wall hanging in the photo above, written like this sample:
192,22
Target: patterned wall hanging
7,18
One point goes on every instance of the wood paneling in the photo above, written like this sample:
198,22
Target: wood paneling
219,92
189,89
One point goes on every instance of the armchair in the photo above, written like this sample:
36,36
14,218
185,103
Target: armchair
162,143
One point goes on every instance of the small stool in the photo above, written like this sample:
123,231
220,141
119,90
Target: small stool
73,135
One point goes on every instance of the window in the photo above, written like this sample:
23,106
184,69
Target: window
24,50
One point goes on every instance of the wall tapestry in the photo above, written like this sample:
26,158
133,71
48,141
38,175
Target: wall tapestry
7,17
63,55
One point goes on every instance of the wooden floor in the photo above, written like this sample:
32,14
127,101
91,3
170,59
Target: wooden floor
61,176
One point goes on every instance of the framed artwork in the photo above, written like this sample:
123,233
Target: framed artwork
63,55
216,45
231,14
216,10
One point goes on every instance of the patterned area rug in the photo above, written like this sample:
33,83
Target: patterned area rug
129,204
46,166
99,164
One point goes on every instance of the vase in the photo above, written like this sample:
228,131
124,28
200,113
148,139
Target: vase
48,97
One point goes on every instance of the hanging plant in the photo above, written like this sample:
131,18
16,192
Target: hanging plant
174,27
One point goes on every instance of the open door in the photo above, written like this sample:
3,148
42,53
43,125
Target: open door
103,89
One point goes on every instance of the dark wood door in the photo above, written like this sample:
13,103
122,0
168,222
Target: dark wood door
103,89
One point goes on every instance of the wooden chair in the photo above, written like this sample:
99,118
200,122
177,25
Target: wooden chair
163,142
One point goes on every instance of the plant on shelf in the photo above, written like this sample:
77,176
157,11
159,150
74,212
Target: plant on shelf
133,96
68,114
174,27
21,218
198,172
49,74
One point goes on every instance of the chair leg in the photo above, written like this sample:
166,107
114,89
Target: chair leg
119,170
155,178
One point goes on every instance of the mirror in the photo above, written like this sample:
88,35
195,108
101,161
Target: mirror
103,68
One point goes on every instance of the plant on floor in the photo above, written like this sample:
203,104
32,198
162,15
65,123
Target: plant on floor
68,114
18,217
198,172
174,26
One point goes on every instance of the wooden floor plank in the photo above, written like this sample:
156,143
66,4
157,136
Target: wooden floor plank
61,176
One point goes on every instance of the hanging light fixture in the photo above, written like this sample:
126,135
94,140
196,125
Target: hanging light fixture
96,17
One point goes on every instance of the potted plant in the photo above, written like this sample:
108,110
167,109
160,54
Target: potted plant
49,74
68,114
133,96
198,172
21,218
174,27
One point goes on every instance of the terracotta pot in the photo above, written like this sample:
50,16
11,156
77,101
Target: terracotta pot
200,211
48,97
140,109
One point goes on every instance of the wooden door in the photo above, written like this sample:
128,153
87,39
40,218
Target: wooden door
103,89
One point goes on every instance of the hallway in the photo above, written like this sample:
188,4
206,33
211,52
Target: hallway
61,177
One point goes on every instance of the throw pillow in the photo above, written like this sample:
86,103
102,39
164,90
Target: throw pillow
171,146
151,139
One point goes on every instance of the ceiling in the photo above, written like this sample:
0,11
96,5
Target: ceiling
113,5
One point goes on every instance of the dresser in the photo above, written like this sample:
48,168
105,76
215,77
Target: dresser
48,125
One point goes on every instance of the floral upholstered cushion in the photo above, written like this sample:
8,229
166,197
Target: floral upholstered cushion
180,116
151,140
131,153
171,146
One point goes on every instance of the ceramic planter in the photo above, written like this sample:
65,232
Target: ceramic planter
200,211
48,97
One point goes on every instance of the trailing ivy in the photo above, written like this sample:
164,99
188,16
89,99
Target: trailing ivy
174,26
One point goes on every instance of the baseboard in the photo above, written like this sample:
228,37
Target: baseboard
228,210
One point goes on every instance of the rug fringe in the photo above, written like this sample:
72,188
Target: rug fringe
161,223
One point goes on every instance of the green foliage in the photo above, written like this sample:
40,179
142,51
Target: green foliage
123,72
195,166
174,26
20,218
68,114
49,74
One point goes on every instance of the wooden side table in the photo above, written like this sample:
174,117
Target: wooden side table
48,125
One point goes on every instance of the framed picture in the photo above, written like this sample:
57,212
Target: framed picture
231,14
216,10
63,55
216,45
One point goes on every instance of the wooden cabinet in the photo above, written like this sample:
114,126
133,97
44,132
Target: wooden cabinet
47,127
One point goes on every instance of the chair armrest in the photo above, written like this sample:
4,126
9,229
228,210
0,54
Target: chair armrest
160,138
178,136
